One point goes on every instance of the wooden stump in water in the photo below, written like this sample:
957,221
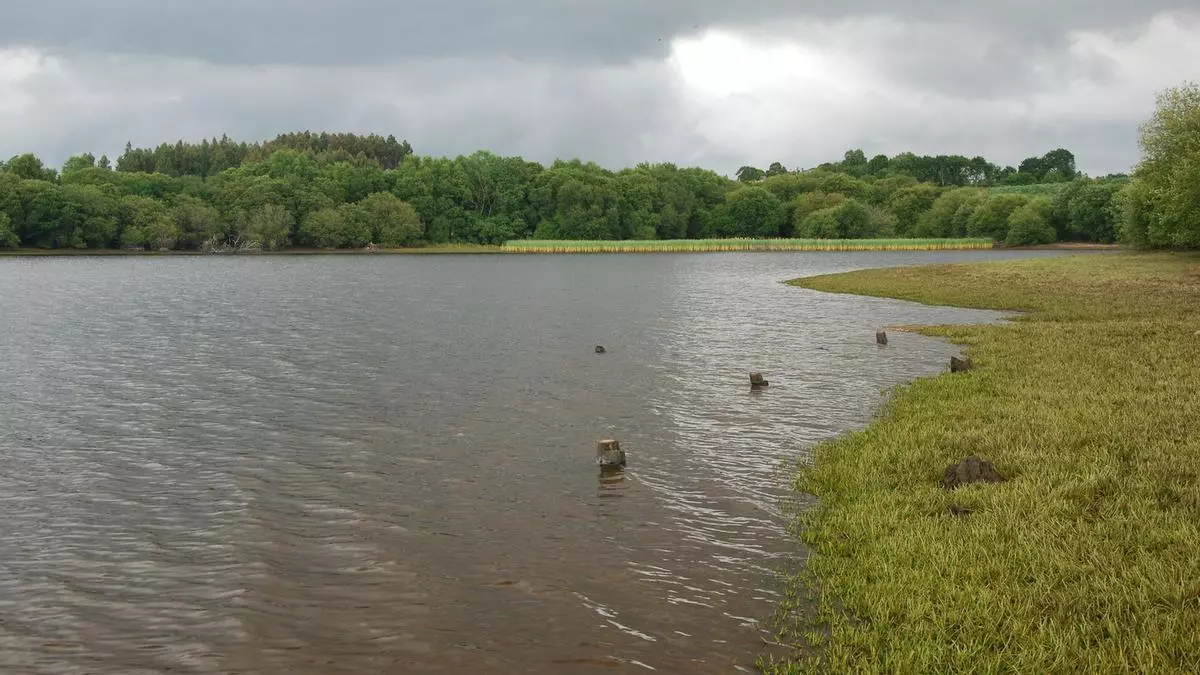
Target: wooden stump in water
609,454
757,381
611,477
958,365
881,337
600,349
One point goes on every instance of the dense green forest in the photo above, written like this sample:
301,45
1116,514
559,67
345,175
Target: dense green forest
345,190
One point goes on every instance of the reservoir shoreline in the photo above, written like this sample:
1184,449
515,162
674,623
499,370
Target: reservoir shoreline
1083,405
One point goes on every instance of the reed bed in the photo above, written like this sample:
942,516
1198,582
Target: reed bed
726,245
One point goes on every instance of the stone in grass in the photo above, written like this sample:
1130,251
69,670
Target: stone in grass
958,365
969,471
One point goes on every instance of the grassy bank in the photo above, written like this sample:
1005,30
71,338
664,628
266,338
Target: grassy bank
725,245
1088,558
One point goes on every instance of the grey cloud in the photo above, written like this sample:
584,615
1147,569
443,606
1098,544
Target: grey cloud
578,31
615,116
549,79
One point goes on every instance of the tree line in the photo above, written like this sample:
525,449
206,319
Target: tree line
345,191
1056,166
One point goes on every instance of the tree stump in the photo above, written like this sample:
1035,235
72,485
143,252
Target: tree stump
609,454
757,381
600,349
969,471
958,365
881,337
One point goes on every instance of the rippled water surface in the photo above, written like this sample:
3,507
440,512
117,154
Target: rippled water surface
352,464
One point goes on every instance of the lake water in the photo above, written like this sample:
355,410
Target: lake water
357,464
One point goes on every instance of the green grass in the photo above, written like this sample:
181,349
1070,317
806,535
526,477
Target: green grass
717,245
1088,559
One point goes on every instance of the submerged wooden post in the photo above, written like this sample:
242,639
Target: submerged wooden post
757,381
958,365
609,454
600,349
881,337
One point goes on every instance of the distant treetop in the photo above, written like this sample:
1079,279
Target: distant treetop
208,158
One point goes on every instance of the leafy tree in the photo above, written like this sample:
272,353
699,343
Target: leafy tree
236,193
878,165
637,193
440,191
1060,208
393,223
85,161
39,220
268,225
8,236
845,184
949,213
337,227
574,200
821,224
707,190
849,219
812,202
1059,163
1165,197
908,204
89,216
147,223
196,221
10,197
29,167
749,174
495,188
1029,224
1089,212
882,189
353,183
854,162
1133,211
990,219
943,170
1033,168
1020,178
776,169
499,229
788,186
748,212
1054,167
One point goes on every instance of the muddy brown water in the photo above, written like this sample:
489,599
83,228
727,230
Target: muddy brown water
351,464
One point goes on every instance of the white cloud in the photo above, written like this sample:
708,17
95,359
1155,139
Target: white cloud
835,85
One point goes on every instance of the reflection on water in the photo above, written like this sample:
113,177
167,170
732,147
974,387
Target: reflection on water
386,464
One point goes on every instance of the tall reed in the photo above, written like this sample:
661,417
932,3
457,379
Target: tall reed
719,245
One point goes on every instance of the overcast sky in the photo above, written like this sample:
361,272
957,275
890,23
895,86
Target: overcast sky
697,82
